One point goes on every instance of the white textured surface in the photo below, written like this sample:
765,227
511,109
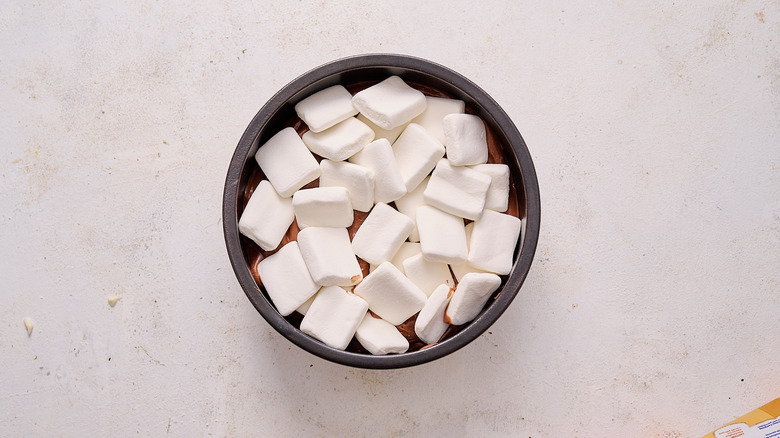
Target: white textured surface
651,309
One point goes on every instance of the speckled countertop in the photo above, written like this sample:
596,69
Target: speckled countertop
652,308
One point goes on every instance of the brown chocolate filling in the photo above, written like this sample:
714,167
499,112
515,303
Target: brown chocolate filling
254,254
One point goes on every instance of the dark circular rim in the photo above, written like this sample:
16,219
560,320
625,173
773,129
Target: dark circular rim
330,74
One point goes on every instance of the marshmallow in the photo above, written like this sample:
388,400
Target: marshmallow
325,108
389,134
390,294
442,236
465,138
436,108
470,297
390,103
266,217
408,205
430,325
358,181
323,207
340,141
427,275
334,316
498,193
416,153
493,240
457,190
287,163
381,234
286,278
329,257
461,269
303,308
378,157
380,337
407,249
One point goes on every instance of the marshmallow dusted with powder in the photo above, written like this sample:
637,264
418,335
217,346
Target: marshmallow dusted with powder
322,207
383,154
286,278
287,162
326,108
341,141
358,181
380,337
329,257
390,103
334,316
390,294
266,217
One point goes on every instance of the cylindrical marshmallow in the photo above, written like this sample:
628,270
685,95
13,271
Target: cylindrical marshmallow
358,181
380,337
433,117
378,157
329,257
408,205
325,108
498,193
389,103
334,316
427,275
465,139
381,234
442,236
323,207
286,278
430,325
340,141
266,217
390,294
493,241
416,153
470,297
287,162
457,190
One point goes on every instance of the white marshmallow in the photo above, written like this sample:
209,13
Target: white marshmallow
334,316
457,190
381,234
407,249
287,162
442,236
408,205
380,337
390,294
358,181
430,325
465,138
378,157
286,278
470,297
389,134
323,207
325,108
493,240
266,217
390,103
329,257
461,269
303,308
498,193
427,275
416,153
436,108
340,141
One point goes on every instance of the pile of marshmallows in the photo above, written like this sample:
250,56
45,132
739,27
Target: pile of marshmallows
319,276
